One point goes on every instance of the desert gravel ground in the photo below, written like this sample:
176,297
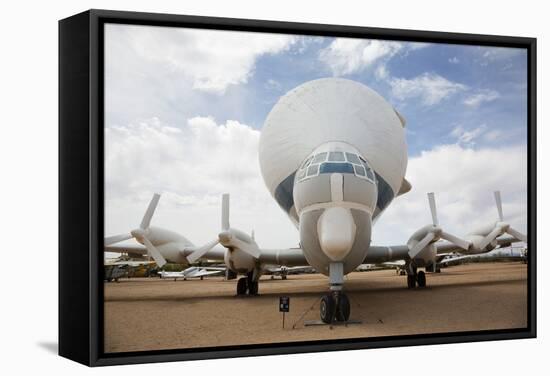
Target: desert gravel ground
153,314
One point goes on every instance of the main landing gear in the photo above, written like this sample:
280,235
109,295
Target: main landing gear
415,278
248,285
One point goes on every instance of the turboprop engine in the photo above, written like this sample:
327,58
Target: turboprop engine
484,239
242,251
161,244
421,244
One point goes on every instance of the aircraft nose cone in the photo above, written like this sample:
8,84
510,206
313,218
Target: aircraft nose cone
336,229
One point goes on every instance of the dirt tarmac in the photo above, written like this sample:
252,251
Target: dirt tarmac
153,314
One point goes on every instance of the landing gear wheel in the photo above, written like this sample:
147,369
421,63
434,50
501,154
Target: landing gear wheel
253,288
242,286
421,279
343,309
411,281
326,309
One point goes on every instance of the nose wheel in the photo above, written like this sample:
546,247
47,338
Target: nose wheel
334,306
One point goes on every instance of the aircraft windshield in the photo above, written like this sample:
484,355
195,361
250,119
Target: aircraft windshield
344,168
338,162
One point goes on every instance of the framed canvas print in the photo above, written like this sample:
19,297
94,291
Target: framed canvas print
235,187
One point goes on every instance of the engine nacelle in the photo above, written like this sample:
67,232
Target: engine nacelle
236,259
428,254
477,236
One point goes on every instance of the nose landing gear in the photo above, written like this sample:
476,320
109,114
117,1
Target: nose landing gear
334,306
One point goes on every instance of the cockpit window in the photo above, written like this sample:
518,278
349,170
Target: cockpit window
336,156
344,168
306,162
353,158
370,174
313,170
338,162
359,170
319,158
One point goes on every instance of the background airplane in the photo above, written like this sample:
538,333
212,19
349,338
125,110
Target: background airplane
118,268
192,272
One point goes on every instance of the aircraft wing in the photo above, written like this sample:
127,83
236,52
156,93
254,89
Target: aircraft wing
202,272
384,254
449,260
214,268
137,249
129,263
165,274
445,246
288,270
394,263
283,257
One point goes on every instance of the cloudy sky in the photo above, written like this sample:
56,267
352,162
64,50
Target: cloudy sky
184,109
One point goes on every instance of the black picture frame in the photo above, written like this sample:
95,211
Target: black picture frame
81,185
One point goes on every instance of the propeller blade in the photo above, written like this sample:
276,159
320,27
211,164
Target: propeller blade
116,238
249,248
201,251
456,240
146,221
154,253
225,211
490,237
431,199
516,234
421,244
499,206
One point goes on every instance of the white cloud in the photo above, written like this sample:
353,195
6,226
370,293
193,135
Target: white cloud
211,59
493,135
272,84
463,180
493,54
468,136
191,166
348,55
381,72
480,97
431,88
454,60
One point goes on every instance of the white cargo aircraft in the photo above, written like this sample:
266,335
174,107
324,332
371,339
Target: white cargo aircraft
333,155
